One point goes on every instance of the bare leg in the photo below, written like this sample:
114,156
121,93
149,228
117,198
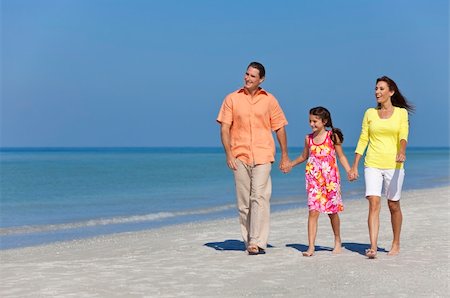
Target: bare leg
374,221
396,220
336,225
312,232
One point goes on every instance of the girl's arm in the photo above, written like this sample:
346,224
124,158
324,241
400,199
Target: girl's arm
340,153
342,158
302,157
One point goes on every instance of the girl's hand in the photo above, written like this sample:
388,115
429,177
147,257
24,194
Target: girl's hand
286,166
287,169
352,174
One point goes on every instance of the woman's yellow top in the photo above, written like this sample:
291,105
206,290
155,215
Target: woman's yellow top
383,137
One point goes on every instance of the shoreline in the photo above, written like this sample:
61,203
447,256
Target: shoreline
47,234
80,198
207,259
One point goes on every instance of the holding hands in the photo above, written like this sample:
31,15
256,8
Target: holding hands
352,175
285,164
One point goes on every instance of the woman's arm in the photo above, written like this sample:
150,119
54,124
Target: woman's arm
401,155
363,141
353,174
403,136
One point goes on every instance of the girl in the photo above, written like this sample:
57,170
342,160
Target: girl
322,174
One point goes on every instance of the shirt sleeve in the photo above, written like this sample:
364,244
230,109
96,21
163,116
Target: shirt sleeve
226,111
404,125
277,117
364,136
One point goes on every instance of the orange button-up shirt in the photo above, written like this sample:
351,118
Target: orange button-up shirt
252,120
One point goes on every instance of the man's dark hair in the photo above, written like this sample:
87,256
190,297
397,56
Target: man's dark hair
260,67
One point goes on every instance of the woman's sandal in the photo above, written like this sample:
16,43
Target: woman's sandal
370,253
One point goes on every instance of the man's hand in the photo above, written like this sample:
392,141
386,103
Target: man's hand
231,162
285,164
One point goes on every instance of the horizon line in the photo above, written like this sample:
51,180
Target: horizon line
165,147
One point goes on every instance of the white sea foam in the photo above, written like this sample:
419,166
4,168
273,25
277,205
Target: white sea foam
120,220
110,221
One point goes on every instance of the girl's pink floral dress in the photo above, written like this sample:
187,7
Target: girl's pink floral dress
322,177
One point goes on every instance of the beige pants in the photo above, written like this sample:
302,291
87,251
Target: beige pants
253,190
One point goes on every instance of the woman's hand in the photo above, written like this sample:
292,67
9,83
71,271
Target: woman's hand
401,157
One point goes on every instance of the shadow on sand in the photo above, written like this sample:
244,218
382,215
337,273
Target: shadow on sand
302,247
359,247
238,245
230,245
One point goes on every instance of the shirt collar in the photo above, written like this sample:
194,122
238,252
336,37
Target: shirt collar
260,91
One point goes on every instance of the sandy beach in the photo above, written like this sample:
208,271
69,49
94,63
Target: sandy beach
207,259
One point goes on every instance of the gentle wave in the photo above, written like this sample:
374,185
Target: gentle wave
123,219
110,221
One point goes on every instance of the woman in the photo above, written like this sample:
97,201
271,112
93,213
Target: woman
385,132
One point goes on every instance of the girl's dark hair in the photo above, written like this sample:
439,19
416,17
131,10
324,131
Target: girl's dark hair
258,66
397,99
325,116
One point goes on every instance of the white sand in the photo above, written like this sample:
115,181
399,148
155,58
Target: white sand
181,261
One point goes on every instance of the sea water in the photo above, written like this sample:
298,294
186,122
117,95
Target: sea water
54,194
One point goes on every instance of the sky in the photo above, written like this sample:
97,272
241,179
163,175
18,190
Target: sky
144,73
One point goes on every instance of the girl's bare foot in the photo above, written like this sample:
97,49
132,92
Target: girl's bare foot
337,249
308,253
371,253
337,246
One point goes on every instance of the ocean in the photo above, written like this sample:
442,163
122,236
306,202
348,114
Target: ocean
56,194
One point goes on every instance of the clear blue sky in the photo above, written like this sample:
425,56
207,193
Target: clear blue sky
154,73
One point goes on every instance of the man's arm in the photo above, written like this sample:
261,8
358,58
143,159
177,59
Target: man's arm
285,165
226,142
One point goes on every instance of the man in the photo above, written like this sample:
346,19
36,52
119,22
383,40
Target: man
247,117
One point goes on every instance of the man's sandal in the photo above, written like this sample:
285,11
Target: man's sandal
255,250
